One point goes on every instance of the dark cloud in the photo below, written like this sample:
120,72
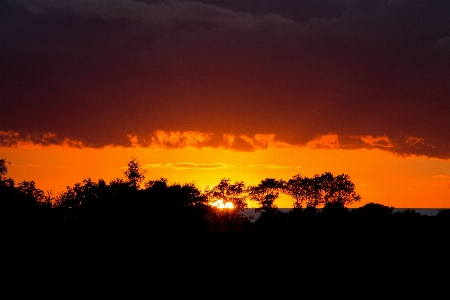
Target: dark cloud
374,74
13,139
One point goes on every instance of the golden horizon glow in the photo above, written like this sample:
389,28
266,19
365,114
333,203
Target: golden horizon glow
219,203
379,176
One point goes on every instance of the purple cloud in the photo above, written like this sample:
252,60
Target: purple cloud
371,74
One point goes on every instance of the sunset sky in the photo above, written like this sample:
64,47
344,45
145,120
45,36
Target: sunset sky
198,91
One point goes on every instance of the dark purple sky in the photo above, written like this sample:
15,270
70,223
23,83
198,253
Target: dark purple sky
376,73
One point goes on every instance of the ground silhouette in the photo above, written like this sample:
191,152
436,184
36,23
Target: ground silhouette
131,218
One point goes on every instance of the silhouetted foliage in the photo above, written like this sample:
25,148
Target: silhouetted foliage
176,205
336,189
3,168
160,206
236,194
89,201
334,210
321,190
32,196
265,193
7,189
24,202
134,173
373,211
303,190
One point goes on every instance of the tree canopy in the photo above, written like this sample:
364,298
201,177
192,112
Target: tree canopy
132,199
321,190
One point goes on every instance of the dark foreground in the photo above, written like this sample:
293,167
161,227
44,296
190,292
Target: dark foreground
333,240
138,261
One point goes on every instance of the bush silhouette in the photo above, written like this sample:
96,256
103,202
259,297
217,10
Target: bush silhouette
372,211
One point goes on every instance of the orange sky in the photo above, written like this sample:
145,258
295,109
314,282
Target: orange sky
381,177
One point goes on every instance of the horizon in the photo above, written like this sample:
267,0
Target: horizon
283,202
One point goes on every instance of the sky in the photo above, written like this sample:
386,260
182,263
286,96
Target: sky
198,91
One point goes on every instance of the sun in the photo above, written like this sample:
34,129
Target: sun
221,204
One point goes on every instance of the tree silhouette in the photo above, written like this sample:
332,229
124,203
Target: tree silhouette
266,192
7,184
334,210
3,168
305,191
182,207
31,194
336,189
228,219
321,190
175,206
233,193
134,173
187,207
101,202
373,211
86,201
22,202
8,194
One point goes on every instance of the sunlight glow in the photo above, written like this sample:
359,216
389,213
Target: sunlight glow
220,204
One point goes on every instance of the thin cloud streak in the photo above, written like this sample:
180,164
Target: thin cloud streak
152,166
188,165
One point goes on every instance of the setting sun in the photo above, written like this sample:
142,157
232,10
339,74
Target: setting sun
220,204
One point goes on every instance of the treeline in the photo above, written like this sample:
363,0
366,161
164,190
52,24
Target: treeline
158,205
